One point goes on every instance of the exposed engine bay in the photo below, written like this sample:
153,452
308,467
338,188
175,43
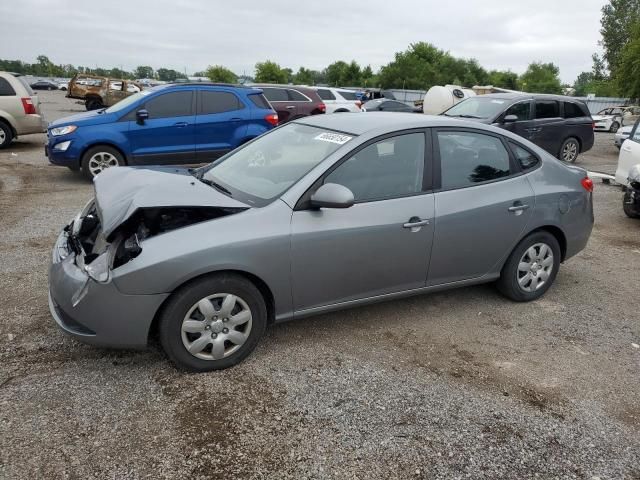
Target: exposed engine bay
86,239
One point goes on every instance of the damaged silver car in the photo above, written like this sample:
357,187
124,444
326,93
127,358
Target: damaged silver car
320,214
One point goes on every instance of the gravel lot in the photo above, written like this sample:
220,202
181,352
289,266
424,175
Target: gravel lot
461,384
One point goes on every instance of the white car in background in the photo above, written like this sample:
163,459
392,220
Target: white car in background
339,100
629,156
612,118
621,135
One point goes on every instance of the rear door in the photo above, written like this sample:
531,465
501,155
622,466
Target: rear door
279,100
548,126
221,123
168,135
482,205
629,155
328,98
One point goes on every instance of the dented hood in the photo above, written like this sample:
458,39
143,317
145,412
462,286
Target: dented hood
123,190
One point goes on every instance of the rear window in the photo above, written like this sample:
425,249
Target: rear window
325,94
348,95
259,101
296,96
6,90
26,85
218,102
573,110
275,94
547,109
526,159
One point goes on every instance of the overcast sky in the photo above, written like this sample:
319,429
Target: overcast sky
191,34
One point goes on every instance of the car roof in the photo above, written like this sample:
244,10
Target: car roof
361,123
523,96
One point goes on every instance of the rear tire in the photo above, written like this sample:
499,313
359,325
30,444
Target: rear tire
614,127
217,336
99,158
569,150
629,211
531,268
6,135
93,103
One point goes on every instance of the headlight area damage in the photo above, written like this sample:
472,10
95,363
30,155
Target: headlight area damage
98,254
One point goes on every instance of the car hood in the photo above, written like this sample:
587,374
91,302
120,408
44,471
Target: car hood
94,117
597,118
121,191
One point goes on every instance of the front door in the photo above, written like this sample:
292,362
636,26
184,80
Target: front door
220,124
549,126
523,126
168,135
482,207
379,245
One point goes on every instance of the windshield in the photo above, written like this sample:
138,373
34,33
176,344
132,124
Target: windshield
477,107
127,101
265,168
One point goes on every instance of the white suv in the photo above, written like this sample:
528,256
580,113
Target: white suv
339,100
19,109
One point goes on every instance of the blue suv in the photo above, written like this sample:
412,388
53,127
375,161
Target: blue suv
185,123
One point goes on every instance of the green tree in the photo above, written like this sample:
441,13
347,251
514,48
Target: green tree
368,78
583,84
617,22
218,73
335,73
118,73
143,72
627,74
304,76
169,75
541,78
503,79
270,72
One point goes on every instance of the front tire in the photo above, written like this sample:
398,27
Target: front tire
93,103
627,207
6,135
98,159
531,268
569,150
213,323
614,127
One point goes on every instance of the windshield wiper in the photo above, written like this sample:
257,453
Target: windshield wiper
467,116
215,185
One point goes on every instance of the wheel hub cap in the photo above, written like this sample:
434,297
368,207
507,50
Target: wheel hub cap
535,267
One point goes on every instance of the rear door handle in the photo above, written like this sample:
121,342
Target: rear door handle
415,223
235,119
290,107
180,124
518,208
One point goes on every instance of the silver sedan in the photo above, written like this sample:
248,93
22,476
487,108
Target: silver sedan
321,214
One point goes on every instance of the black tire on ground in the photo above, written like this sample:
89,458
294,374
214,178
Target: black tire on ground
6,135
174,312
629,211
93,103
508,283
87,170
614,127
569,150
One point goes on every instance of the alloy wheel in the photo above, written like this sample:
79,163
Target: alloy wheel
216,326
570,151
535,267
3,136
101,161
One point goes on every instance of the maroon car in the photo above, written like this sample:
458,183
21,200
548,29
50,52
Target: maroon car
292,102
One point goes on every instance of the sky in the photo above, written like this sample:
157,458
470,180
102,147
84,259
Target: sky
191,34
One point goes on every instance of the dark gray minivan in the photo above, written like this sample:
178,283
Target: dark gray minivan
561,125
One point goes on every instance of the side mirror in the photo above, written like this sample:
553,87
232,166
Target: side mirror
332,195
510,119
141,116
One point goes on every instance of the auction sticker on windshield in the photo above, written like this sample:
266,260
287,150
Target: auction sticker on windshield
338,138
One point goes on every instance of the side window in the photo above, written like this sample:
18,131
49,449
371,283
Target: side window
636,132
217,102
526,159
521,110
392,167
572,110
259,101
547,109
174,104
347,95
296,96
325,94
467,158
6,90
275,94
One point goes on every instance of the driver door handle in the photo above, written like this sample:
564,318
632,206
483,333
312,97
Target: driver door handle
180,124
415,223
518,207
290,107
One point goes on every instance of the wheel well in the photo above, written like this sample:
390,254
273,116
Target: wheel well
560,237
8,123
265,291
105,144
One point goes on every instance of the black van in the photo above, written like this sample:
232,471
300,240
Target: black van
561,125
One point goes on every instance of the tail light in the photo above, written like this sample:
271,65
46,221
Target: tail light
593,125
29,107
322,107
272,118
587,184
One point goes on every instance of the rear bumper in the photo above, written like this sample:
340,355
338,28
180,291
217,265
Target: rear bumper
97,313
29,124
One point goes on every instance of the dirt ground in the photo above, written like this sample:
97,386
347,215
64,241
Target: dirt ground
460,384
